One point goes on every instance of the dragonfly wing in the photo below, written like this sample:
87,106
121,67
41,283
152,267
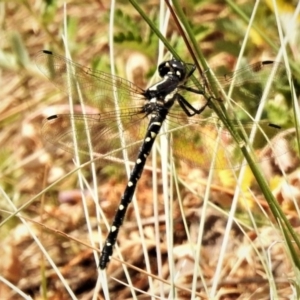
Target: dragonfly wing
98,135
208,145
245,86
98,88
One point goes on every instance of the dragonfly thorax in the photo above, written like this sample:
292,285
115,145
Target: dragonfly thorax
173,73
157,107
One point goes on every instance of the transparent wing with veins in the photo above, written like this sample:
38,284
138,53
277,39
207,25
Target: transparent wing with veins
194,137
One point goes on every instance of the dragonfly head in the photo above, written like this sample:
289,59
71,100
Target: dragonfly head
172,67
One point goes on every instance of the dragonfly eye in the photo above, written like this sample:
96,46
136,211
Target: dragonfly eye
174,67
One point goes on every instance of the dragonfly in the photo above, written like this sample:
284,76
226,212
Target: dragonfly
139,116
